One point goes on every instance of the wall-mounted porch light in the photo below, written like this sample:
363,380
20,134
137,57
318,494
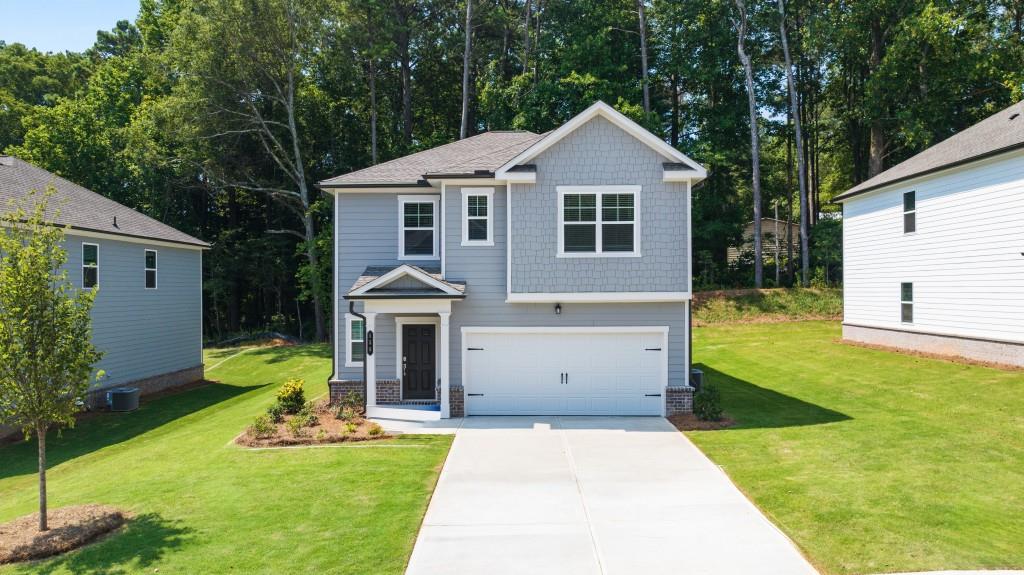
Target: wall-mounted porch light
558,309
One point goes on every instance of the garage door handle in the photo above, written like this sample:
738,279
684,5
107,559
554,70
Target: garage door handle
652,395
474,349
652,349
476,395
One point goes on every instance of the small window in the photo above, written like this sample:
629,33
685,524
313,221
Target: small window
907,302
909,212
598,221
150,269
417,238
355,331
90,265
477,216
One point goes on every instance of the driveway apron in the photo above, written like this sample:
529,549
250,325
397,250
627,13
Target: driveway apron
591,495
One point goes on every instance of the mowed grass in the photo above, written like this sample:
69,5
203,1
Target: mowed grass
204,506
871,461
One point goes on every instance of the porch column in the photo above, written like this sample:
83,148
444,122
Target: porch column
371,360
445,357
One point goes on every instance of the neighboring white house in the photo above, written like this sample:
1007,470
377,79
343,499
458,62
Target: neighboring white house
934,248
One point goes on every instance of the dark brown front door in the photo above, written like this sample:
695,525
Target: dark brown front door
418,369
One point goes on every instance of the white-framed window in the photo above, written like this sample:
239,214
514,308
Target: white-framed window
151,269
598,221
907,302
355,339
909,212
90,265
417,228
478,216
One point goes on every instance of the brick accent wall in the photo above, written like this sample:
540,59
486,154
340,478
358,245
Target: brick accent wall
456,401
679,399
339,389
389,391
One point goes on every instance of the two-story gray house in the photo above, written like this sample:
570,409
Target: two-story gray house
147,318
519,273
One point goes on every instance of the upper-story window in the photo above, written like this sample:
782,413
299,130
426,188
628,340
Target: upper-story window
90,265
478,216
598,221
417,233
909,212
150,269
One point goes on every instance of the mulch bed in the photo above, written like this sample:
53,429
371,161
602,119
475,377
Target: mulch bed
328,429
70,528
689,422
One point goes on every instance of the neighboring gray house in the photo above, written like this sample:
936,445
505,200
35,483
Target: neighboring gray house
517,273
933,248
147,318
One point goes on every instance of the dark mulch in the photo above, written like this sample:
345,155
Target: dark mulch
328,429
689,422
70,528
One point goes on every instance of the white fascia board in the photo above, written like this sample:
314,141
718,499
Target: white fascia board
613,116
129,239
598,297
680,176
570,329
401,271
521,177
398,189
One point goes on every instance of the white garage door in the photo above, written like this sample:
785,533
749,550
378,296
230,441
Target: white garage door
516,372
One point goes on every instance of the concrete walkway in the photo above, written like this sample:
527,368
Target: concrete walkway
591,495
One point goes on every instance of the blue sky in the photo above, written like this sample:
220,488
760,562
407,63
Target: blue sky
58,25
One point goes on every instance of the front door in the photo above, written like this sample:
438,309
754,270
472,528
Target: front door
418,366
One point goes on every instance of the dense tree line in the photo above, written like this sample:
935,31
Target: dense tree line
218,116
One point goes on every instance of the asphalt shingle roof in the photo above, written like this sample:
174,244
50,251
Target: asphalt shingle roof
373,272
999,132
480,154
79,207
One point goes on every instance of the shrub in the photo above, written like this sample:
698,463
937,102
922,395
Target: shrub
375,429
351,427
261,427
347,414
292,396
321,435
707,403
297,427
276,413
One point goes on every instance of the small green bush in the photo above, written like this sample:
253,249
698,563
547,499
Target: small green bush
351,427
375,430
321,435
276,413
707,403
345,413
262,427
297,426
292,397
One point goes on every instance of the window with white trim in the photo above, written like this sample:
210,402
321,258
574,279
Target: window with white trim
909,212
90,265
478,216
151,269
598,221
907,302
417,233
355,338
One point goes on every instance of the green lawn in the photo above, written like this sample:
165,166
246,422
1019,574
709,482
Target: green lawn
871,461
203,506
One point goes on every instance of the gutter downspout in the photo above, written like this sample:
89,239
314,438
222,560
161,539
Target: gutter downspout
352,310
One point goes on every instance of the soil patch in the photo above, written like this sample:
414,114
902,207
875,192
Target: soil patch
690,422
322,427
70,528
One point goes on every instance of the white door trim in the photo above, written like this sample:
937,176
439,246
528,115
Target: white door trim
416,320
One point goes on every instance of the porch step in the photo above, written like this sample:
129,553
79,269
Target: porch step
400,412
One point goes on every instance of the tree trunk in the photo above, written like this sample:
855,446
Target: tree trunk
755,143
526,34
373,112
876,153
405,68
805,261
466,54
789,200
674,128
643,56
41,437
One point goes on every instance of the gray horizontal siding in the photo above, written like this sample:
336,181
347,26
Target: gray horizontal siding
141,332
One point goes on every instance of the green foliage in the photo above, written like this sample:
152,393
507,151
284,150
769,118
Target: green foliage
707,403
261,427
292,395
786,304
351,427
276,413
375,430
297,425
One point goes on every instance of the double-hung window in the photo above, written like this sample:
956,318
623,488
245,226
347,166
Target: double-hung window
150,269
90,265
477,216
909,212
418,231
355,338
598,221
907,302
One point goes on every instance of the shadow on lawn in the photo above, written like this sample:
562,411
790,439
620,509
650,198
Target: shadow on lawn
140,544
753,406
103,429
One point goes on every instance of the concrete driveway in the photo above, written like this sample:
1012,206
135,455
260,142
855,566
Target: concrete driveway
591,495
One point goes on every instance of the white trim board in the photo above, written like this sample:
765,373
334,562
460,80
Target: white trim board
599,191
489,194
598,297
402,320
72,232
349,318
569,329
435,228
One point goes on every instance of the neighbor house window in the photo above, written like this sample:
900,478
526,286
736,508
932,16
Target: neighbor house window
355,332
909,212
907,302
417,237
150,269
477,216
90,265
598,221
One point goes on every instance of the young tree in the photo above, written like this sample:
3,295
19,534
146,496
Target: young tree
755,142
46,351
